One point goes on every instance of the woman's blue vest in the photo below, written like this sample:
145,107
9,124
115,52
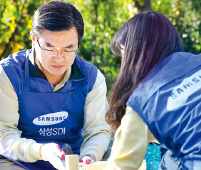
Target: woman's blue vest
169,102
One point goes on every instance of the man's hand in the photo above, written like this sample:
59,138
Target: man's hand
87,159
52,152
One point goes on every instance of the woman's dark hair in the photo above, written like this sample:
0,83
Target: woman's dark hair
145,39
57,16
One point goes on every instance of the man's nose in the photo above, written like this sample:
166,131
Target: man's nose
59,56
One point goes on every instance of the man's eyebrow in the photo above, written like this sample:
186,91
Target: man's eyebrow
50,45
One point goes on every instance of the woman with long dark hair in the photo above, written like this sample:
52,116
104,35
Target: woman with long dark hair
158,92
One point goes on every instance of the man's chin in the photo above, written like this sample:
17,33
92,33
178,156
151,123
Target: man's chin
58,74
57,71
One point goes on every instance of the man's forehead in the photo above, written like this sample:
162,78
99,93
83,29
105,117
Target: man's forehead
70,45
66,38
72,29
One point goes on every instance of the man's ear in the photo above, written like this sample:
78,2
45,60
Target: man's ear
33,38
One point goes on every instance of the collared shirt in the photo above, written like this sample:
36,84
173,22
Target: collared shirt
96,132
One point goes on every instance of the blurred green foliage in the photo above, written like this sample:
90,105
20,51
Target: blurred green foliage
102,19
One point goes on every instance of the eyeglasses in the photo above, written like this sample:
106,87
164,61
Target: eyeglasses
54,53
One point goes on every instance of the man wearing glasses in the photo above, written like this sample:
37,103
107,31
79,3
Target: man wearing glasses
50,97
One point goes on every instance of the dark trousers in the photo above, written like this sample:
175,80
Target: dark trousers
6,164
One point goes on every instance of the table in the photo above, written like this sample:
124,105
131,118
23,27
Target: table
102,164
72,163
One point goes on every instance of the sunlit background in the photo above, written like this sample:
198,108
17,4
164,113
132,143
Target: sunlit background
102,19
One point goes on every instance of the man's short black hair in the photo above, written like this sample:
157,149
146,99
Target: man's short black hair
57,16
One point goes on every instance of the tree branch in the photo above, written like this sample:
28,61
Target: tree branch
139,7
146,6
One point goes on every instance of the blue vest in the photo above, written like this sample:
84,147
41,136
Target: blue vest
169,102
47,116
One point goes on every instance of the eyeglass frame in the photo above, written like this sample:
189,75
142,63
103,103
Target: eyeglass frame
62,52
